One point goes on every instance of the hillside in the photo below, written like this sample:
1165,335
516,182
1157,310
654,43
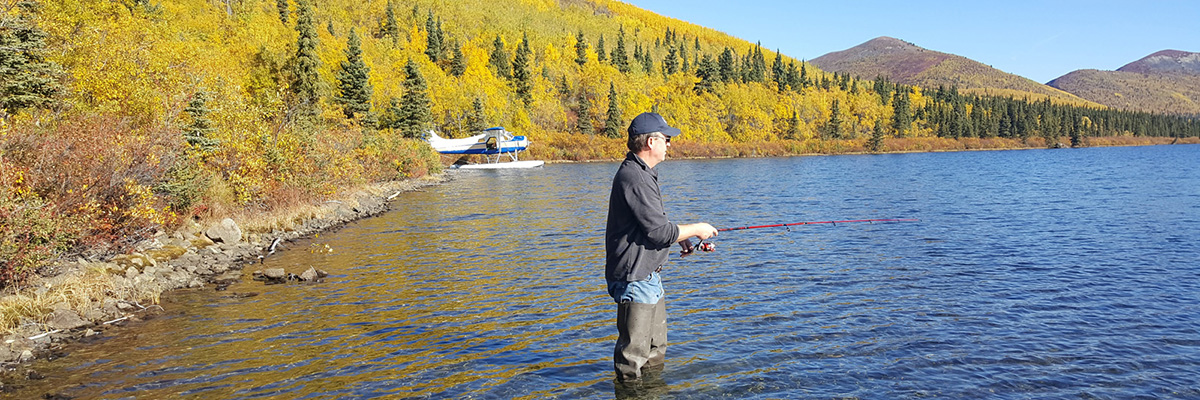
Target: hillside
910,64
1164,82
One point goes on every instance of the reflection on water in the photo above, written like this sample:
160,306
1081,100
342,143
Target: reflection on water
1032,274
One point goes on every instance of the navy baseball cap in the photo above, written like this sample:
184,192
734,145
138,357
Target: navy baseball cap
651,122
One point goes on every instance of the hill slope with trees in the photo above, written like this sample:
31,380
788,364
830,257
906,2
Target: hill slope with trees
1164,82
910,64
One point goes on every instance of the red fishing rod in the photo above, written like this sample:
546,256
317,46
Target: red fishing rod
709,246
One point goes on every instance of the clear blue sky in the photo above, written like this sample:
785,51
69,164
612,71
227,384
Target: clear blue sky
1039,40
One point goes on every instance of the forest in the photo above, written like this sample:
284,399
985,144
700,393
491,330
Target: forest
122,118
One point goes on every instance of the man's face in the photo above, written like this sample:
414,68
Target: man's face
658,147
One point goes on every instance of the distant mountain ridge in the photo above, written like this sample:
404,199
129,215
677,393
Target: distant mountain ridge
907,63
1166,62
1167,82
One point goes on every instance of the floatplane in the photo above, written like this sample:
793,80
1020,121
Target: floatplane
493,144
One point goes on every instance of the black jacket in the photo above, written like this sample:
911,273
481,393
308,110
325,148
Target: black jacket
638,236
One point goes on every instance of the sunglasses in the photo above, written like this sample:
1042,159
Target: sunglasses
666,138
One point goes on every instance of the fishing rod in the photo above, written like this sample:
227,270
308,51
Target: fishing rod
709,246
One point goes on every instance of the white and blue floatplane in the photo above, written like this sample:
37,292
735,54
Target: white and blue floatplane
493,144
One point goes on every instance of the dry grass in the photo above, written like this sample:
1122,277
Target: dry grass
80,291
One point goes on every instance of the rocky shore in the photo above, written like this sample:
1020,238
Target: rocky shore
79,299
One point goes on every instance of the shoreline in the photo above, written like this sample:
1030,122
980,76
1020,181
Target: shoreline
81,299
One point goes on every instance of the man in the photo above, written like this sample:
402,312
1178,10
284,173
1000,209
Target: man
638,240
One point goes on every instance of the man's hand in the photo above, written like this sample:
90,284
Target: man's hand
687,248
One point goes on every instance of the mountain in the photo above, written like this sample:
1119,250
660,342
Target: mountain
1164,82
910,64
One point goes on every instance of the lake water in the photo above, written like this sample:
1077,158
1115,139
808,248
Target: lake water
1048,274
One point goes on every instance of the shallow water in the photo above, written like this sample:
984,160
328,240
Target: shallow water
1032,274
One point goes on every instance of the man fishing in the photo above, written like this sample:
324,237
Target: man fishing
638,240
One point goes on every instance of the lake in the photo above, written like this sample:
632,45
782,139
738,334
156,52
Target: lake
1049,274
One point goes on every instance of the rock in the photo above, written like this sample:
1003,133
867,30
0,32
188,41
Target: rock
274,273
201,241
321,273
137,260
65,320
90,333
26,356
166,253
309,274
227,232
131,272
227,278
195,283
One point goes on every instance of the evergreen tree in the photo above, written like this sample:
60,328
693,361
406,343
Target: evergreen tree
282,5
499,59
683,58
708,73
647,62
834,127
306,83
585,115
793,129
580,49
757,66
414,106
619,58
390,27
353,81
198,134
433,38
901,117
475,120
521,75
876,142
601,54
778,72
612,125
726,67
27,79
671,62
458,65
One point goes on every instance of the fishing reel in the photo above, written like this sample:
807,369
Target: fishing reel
689,247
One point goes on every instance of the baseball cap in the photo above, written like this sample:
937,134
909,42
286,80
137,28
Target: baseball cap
651,122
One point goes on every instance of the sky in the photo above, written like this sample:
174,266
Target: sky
1039,40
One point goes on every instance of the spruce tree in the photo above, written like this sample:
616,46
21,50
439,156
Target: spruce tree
619,58
708,73
901,117
671,62
390,27
876,142
585,115
306,83
499,59
458,66
580,49
683,57
27,79
475,120
522,78
793,130
778,72
726,67
612,123
414,106
433,38
834,127
601,54
353,81
282,5
198,134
